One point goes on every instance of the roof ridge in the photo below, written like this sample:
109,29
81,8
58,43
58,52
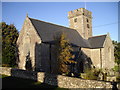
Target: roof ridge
98,36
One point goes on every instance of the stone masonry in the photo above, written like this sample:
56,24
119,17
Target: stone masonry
57,80
81,20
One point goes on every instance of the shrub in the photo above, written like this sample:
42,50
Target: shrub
116,68
92,74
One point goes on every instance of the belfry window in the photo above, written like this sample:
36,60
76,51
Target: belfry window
75,20
88,26
87,20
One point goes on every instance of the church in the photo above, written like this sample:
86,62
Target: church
37,42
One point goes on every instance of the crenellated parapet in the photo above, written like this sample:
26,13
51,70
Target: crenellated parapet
80,11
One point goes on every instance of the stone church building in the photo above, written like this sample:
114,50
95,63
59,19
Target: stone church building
37,41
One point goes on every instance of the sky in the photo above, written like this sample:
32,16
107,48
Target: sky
105,14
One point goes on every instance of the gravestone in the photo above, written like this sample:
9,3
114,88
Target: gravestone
100,76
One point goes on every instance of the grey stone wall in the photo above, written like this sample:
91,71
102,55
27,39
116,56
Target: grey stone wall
5,71
57,80
96,58
26,42
108,53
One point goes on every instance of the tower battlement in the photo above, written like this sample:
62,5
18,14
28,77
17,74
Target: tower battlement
80,11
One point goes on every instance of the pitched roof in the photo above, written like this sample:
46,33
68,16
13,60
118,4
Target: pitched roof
47,32
97,41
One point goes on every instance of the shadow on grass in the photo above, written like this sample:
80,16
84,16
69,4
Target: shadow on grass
14,82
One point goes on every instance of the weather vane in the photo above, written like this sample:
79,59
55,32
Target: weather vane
85,4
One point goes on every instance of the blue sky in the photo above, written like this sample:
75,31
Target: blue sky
105,14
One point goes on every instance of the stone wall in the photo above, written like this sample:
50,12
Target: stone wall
108,53
96,57
57,80
26,42
5,71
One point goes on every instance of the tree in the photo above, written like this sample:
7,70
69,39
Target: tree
117,53
64,55
9,47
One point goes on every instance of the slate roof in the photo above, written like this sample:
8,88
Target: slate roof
97,41
47,32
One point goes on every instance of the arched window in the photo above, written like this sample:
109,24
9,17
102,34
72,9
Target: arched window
87,20
28,64
109,53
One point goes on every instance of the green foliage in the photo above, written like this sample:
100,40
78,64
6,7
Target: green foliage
92,74
64,55
9,47
117,52
116,68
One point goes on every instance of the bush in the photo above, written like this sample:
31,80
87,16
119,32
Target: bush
116,68
92,74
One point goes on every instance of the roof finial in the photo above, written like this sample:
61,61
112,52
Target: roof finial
108,33
85,4
27,15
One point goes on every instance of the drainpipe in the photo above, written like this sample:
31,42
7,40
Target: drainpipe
100,58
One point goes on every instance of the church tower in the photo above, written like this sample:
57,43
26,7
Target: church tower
81,20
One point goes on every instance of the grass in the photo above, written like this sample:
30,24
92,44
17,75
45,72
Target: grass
14,82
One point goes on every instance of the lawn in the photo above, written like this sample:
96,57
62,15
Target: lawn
14,82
